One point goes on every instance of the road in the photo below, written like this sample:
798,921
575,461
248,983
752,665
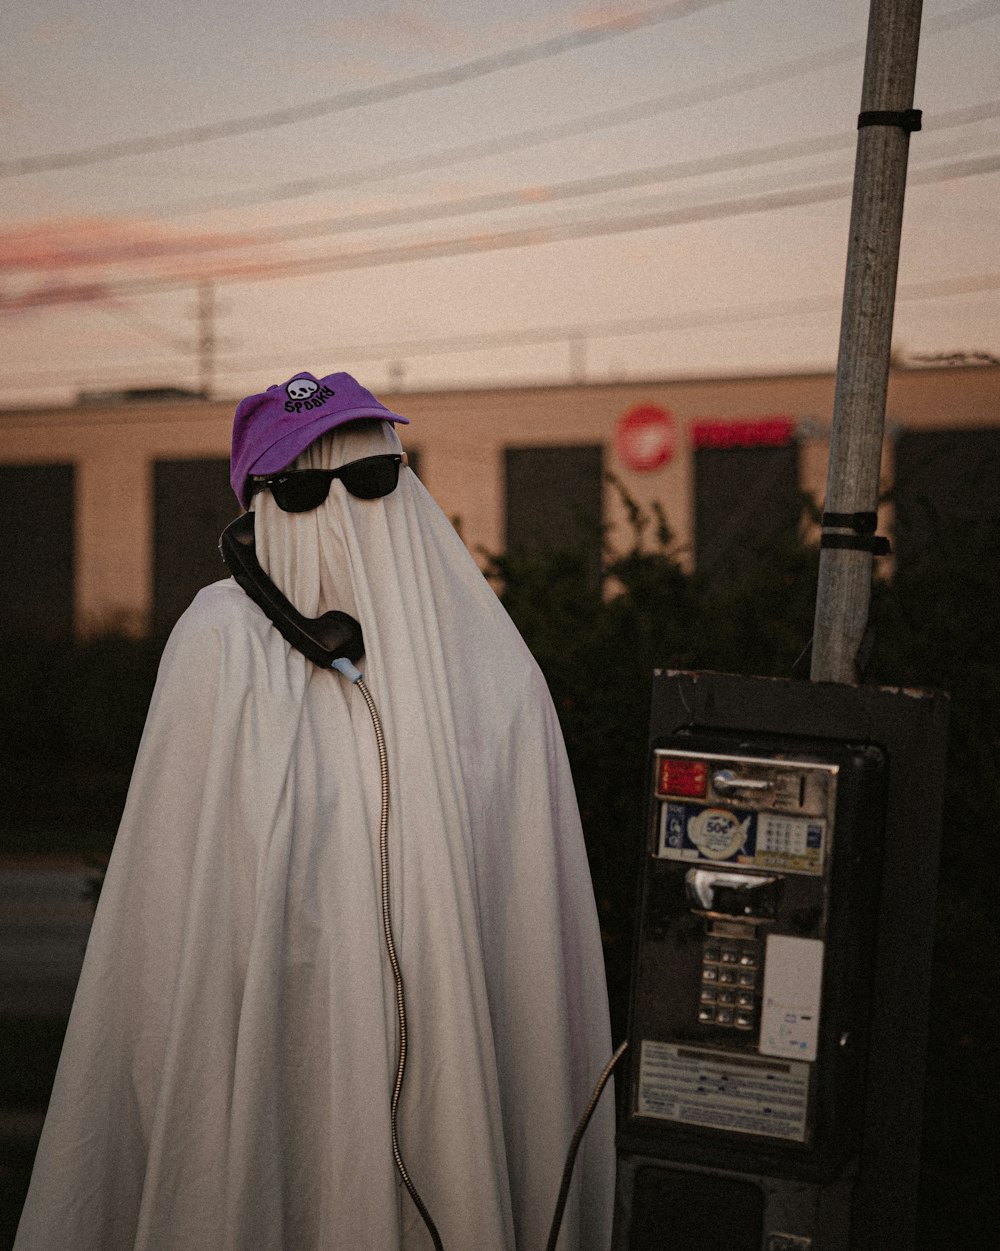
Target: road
46,907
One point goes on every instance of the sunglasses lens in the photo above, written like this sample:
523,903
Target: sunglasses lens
300,492
371,478
305,489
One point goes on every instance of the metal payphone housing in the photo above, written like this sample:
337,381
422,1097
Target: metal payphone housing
781,974
735,967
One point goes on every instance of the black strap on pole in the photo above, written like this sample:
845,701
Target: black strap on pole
906,119
863,538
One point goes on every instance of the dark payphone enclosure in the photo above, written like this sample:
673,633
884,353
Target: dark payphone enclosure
851,1186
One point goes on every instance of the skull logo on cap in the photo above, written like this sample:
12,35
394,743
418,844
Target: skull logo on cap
301,388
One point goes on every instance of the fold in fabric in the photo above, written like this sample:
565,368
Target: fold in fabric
226,1075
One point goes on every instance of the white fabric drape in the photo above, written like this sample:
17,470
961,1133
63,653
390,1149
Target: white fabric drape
226,1075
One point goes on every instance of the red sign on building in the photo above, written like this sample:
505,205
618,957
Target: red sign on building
776,431
645,438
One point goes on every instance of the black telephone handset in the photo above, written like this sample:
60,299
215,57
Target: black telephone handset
322,639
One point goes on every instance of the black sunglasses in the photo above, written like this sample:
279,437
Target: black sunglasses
299,490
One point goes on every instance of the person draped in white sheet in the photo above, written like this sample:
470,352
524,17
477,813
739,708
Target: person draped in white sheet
227,1071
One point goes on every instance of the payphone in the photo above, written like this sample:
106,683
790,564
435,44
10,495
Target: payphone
751,985
781,967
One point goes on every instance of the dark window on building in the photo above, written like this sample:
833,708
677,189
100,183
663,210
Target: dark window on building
747,505
36,556
947,492
193,504
554,500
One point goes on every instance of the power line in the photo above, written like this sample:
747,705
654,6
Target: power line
465,245
446,345
632,327
518,197
438,249
933,289
530,236
360,97
673,101
537,136
971,167
477,68
135,321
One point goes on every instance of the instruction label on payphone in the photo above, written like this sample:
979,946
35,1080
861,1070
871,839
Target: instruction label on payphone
733,963
701,1088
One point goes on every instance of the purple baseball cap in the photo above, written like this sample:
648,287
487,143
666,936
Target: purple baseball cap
271,429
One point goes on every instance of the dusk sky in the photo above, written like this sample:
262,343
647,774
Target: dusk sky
469,194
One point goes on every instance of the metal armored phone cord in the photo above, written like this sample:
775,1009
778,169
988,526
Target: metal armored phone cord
574,1145
345,667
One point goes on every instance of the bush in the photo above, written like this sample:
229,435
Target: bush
598,646
71,715
934,627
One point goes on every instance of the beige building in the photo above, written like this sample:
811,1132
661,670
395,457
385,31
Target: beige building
112,509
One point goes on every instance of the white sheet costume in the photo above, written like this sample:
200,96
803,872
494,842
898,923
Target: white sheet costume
225,1080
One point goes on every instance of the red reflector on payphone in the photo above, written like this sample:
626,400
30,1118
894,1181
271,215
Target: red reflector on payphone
680,775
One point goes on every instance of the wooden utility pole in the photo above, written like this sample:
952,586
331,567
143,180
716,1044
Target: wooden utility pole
884,125
578,359
206,337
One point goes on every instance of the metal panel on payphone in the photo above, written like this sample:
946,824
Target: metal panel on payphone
753,963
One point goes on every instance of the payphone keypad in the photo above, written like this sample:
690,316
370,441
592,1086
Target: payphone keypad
730,971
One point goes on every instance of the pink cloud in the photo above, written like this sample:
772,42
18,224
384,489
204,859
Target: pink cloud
78,243
50,293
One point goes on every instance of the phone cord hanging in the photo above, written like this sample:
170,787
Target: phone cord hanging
345,667
574,1145
383,849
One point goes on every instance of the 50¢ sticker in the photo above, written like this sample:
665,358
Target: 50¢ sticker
717,833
